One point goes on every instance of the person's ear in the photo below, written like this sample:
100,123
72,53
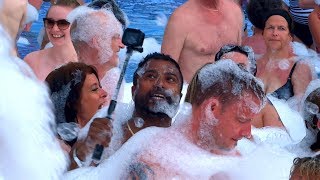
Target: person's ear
133,90
210,107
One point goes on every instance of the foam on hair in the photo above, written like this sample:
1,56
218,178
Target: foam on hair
101,24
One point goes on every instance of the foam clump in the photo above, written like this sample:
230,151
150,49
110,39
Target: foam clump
29,148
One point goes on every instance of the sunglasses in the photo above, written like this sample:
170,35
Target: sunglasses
62,23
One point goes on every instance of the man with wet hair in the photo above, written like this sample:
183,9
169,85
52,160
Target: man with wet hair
156,92
197,29
98,46
224,99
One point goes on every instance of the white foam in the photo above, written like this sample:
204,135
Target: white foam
23,40
29,148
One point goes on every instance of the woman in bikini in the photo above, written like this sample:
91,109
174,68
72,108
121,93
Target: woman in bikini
283,73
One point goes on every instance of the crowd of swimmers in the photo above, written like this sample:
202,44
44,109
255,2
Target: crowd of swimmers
232,80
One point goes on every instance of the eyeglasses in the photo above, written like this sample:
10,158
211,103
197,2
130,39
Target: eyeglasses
62,23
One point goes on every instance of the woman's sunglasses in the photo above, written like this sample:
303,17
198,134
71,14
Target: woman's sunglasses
62,23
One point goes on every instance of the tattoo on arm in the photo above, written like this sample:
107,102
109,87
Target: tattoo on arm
140,171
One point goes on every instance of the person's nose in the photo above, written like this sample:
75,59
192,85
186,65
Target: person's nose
275,32
103,93
55,27
159,82
121,45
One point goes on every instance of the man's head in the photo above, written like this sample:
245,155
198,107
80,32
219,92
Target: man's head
242,55
96,32
157,85
225,98
305,168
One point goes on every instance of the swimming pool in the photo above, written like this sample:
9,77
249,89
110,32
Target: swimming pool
148,16
142,15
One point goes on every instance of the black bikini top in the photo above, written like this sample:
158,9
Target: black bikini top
285,91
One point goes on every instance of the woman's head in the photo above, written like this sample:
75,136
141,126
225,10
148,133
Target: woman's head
56,25
278,29
305,168
76,93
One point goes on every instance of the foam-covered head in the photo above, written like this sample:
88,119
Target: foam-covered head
95,28
224,80
224,98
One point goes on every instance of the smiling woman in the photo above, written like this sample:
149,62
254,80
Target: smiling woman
58,30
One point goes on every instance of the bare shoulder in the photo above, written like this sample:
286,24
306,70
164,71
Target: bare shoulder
182,12
33,59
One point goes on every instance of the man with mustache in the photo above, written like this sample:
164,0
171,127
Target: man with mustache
156,92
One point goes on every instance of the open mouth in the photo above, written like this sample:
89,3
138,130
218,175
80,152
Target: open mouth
158,96
57,36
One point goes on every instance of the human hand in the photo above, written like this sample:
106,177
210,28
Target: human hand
100,132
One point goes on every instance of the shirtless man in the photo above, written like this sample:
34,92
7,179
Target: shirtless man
12,17
98,46
197,29
219,119
156,92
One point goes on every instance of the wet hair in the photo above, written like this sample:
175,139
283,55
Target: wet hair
245,50
153,57
312,119
227,82
280,12
114,7
65,84
257,8
308,167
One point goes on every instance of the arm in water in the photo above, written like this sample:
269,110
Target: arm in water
100,132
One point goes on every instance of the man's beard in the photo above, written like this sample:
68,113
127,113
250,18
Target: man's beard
167,106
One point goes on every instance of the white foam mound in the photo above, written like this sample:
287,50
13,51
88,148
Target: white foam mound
29,149
291,119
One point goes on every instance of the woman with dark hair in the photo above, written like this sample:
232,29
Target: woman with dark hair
283,73
256,10
77,95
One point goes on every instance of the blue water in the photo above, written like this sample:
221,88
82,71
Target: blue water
141,14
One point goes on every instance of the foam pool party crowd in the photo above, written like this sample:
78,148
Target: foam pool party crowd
211,98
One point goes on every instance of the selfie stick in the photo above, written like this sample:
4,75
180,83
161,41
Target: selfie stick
96,156
113,102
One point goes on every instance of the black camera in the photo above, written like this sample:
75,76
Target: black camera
133,38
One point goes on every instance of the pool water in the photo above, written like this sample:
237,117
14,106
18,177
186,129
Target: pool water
142,15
